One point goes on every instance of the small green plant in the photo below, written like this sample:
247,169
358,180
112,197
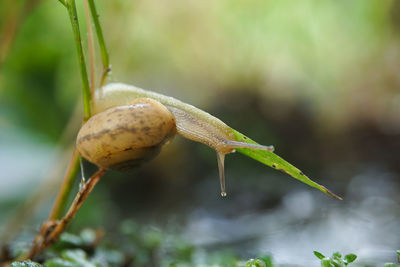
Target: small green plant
336,259
25,264
260,262
137,246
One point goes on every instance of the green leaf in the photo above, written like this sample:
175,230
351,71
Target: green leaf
77,256
274,161
57,262
255,263
25,264
326,262
68,240
110,256
349,258
70,258
337,262
88,236
337,254
319,255
268,260
390,265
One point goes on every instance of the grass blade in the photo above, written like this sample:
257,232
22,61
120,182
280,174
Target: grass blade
274,161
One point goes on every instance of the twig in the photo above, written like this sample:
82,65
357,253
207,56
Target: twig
51,230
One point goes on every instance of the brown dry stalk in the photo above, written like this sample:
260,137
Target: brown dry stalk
51,230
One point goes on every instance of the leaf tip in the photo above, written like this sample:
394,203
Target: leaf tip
329,192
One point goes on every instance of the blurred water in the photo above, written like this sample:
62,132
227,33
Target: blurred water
364,223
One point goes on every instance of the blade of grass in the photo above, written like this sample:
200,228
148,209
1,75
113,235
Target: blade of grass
63,2
92,59
66,187
68,181
102,43
70,4
69,178
274,161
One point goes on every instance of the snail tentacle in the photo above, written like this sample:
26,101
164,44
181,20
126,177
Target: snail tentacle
221,170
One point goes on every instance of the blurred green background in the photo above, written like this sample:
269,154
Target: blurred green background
319,80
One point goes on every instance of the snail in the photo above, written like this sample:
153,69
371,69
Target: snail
130,125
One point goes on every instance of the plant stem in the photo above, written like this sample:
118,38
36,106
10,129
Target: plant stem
102,44
76,204
62,2
51,229
68,180
66,188
91,48
70,4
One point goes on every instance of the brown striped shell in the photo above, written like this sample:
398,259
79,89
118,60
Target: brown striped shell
124,136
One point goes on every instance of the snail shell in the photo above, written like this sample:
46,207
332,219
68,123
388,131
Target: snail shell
125,136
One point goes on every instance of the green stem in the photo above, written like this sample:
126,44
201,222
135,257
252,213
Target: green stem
70,4
62,2
69,178
100,38
90,47
66,187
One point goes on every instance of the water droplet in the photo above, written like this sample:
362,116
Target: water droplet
223,194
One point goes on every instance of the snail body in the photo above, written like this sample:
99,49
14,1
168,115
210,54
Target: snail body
130,125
